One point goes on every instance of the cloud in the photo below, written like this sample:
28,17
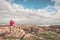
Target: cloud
47,15
57,2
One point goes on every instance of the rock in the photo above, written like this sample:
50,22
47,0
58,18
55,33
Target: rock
2,31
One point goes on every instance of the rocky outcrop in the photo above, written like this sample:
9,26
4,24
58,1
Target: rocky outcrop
28,32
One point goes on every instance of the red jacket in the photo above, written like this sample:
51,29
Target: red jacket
11,22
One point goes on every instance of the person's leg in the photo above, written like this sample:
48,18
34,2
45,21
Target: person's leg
11,28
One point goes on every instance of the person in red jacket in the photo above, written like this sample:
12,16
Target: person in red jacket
11,25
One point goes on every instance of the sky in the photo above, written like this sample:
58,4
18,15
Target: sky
43,12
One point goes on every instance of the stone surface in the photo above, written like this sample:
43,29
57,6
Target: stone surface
29,32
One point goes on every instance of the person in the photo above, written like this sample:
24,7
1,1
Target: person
11,25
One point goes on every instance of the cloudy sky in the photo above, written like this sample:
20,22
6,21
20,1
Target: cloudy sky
30,11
